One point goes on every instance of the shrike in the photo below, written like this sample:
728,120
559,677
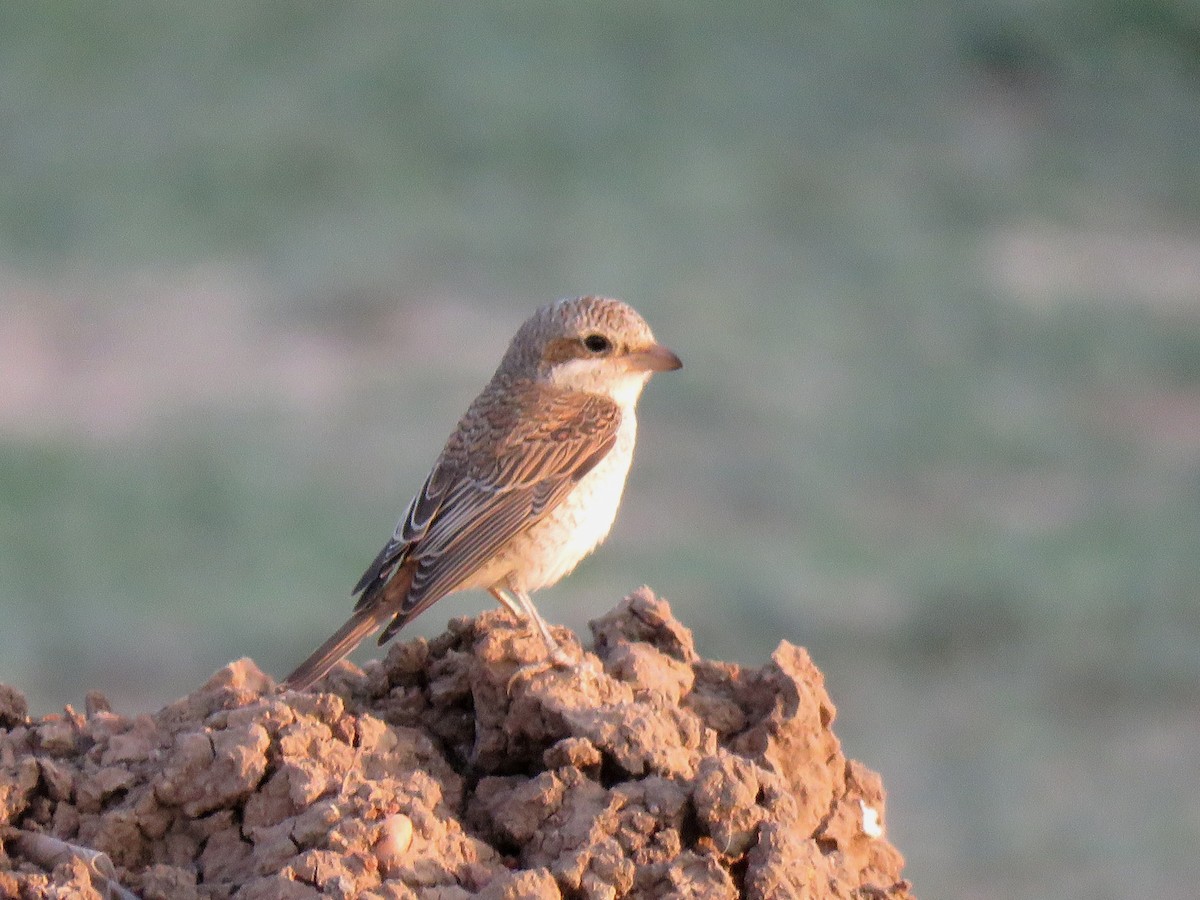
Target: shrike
527,485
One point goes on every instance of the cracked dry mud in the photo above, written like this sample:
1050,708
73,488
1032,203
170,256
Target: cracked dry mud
454,768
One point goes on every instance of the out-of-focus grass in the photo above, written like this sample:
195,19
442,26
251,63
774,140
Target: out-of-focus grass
142,570
931,268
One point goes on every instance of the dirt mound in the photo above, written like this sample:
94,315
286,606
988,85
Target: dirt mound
454,768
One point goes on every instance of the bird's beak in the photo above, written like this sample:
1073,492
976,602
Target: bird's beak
655,358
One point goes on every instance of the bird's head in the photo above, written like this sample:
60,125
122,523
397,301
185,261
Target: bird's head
593,344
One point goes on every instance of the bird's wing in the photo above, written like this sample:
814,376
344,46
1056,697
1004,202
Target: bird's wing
510,462
412,525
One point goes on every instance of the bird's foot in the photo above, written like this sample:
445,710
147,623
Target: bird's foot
528,672
559,657
585,667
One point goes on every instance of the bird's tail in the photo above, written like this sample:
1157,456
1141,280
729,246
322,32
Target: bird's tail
378,603
345,639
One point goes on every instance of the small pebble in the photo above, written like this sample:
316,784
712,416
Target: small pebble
395,837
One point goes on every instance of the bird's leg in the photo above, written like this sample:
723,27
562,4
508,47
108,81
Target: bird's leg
520,605
500,593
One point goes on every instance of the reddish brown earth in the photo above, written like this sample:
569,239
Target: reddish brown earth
455,768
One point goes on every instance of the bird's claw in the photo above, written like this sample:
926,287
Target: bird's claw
527,672
558,658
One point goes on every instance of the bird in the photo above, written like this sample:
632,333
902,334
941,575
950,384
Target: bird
528,483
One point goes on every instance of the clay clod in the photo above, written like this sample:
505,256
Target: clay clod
457,767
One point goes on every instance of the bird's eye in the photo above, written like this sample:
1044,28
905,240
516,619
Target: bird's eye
597,343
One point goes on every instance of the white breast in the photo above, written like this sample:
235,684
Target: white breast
556,544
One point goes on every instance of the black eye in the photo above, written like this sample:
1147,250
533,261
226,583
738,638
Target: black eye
597,343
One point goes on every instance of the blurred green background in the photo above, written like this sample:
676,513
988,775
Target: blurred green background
933,268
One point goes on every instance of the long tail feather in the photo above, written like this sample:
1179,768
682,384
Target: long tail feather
345,639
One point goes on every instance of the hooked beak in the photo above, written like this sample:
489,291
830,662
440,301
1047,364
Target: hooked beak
655,358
